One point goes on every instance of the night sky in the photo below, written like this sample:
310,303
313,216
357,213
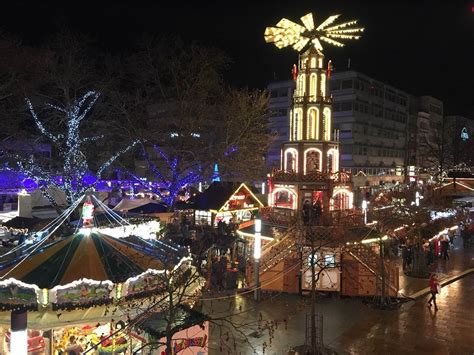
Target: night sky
421,47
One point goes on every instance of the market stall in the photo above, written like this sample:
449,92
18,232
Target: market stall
226,202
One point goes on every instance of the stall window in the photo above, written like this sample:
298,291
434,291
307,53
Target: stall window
330,260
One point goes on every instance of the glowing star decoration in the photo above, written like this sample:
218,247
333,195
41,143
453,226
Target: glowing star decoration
288,33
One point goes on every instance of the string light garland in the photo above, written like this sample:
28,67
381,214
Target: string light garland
174,184
69,145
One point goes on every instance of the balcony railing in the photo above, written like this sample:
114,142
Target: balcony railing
312,176
312,99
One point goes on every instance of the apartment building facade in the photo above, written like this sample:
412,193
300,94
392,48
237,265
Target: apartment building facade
370,119
426,142
280,102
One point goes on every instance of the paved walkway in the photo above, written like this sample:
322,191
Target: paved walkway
417,328
460,260
285,315
350,327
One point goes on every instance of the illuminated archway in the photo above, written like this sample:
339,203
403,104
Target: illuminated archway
327,124
312,84
301,85
342,199
323,85
297,129
284,198
333,160
313,124
291,160
313,160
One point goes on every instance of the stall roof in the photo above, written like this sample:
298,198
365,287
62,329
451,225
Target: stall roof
127,204
217,194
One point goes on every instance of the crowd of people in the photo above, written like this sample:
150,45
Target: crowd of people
436,248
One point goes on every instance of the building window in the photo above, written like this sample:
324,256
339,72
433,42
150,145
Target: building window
203,217
330,260
335,85
346,84
346,106
283,92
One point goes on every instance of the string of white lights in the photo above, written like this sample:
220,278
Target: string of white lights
58,220
75,165
70,209
107,210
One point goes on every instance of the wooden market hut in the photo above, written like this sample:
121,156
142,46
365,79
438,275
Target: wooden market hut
224,201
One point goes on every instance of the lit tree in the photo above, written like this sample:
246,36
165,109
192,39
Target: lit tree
69,145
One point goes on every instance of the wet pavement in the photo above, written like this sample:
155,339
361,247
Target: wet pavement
460,259
277,323
417,328
289,311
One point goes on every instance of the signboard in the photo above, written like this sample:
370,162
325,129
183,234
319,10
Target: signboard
147,281
12,292
84,291
464,134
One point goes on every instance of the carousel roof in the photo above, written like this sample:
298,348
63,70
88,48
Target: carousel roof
88,254
92,266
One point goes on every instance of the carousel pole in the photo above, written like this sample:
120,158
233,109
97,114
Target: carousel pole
51,343
19,336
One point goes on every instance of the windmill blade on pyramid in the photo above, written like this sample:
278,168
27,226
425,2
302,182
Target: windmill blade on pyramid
327,22
308,21
288,33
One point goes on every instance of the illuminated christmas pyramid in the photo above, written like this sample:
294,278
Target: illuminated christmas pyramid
309,165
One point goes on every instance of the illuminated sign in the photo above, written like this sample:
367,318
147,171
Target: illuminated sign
464,134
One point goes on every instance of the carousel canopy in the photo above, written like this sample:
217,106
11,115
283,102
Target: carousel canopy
95,265
92,256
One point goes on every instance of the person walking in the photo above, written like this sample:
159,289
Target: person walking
451,236
405,253
445,247
434,289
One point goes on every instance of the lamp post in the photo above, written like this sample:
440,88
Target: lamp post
257,251
364,209
19,336
417,198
